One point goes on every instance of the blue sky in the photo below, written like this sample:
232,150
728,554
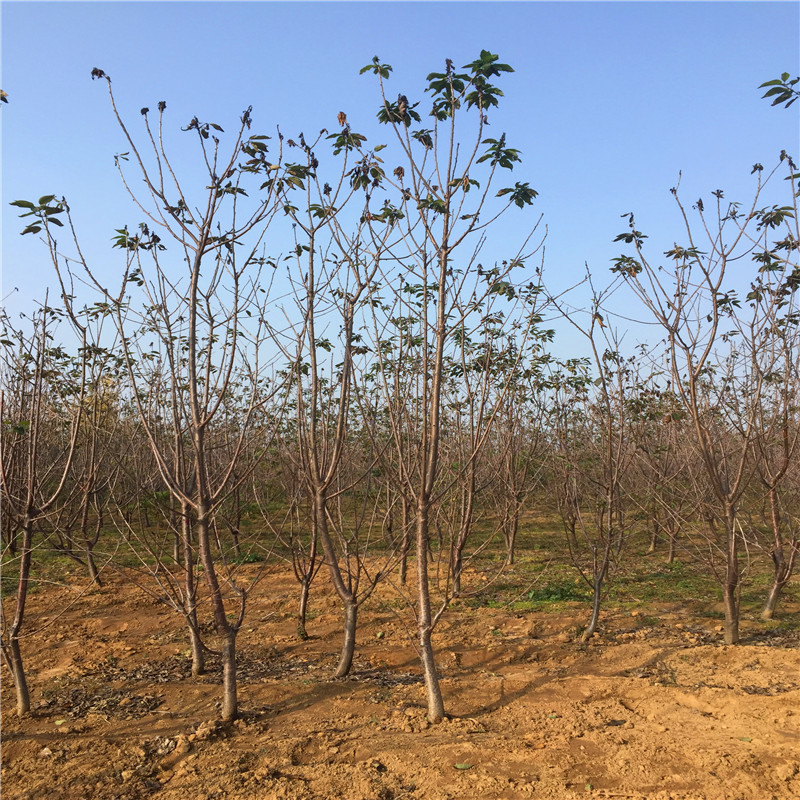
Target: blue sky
607,103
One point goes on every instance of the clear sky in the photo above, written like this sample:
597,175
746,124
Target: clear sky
607,103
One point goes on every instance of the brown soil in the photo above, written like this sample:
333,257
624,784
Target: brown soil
652,708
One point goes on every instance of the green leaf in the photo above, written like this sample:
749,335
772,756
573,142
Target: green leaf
463,766
22,204
376,67
43,201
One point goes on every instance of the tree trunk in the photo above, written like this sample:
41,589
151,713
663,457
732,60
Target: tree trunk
406,545
425,619
458,568
237,549
12,650
673,538
14,660
772,599
432,688
782,568
305,585
93,573
653,537
190,593
349,644
224,629
510,535
731,585
731,614
198,654
320,521
782,574
230,709
596,601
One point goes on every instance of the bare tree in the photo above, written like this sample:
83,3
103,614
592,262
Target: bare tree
198,328
771,382
694,300
441,206
332,274
42,400
593,453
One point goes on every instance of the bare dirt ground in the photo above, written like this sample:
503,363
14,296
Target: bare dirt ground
654,707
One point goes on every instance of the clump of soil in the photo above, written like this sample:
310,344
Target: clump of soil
654,707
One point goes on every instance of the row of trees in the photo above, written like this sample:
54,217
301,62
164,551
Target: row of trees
370,399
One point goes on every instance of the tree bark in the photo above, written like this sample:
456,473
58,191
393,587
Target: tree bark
510,535
425,619
230,707
190,593
18,676
13,653
597,596
305,585
225,630
349,644
731,585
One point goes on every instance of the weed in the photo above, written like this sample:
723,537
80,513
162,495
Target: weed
249,558
557,593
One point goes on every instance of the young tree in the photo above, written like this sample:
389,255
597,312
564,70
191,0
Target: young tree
519,440
332,277
441,205
695,301
593,452
197,326
662,461
771,382
42,400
